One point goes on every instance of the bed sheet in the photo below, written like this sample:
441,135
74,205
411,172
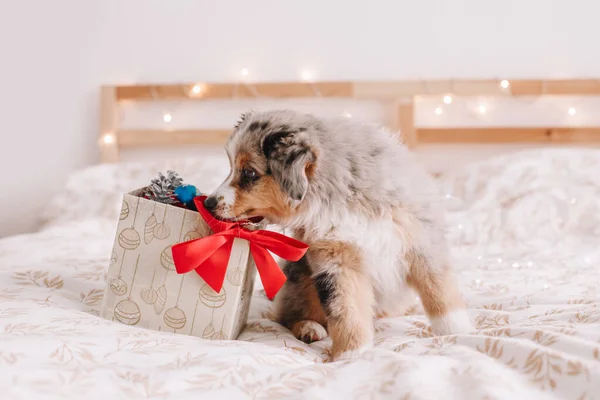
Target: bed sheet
524,231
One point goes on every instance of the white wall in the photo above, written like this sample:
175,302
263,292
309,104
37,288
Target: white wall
55,55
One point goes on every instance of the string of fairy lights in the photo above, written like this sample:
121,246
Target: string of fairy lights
483,108
308,76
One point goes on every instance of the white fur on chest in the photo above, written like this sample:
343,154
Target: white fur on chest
383,249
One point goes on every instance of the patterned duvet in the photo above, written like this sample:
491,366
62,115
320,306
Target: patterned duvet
525,234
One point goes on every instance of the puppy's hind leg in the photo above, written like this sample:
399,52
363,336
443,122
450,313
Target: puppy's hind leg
297,305
346,295
439,294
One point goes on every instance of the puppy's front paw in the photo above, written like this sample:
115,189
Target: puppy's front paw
453,323
348,355
309,331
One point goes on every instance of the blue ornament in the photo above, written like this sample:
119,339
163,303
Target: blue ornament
186,194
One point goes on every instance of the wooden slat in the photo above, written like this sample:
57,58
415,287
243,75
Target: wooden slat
109,152
406,123
360,90
508,135
526,88
134,138
574,87
386,90
235,90
393,90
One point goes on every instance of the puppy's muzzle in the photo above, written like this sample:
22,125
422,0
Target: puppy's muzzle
210,203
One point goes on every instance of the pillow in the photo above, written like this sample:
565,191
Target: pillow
530,198
97,191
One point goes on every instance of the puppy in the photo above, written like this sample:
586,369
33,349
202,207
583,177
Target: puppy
370,215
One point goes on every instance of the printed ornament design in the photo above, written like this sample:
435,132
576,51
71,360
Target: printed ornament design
210,298
117,285
113,258
220,335
149,295
124,211
149,226
192,235
200,231
127,311
129,239
236,275
162,230
209,331
175,317
166,259
161,299
213,300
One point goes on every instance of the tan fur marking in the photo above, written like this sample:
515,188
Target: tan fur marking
350,309
265,198
314,311
331,254
298,303
407,226
439,292
309,170
241,159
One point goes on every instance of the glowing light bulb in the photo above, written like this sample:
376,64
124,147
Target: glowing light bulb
482,109
197,89
572,111
504,84
167,117
108,138
307,76
448,99
438,111
244,72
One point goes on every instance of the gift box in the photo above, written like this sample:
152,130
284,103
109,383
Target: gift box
179,270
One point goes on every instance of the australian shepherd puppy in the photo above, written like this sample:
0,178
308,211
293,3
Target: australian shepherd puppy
370,215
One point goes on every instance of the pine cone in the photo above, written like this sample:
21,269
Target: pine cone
162,189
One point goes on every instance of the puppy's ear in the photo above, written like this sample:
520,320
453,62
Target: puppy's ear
288,156
242,119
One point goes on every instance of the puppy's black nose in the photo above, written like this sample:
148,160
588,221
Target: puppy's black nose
210,203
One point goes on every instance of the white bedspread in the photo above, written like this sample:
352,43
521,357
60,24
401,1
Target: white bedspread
525,233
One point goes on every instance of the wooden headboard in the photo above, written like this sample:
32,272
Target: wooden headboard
400,95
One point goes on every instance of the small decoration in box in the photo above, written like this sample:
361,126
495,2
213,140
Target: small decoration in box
171,190
148,282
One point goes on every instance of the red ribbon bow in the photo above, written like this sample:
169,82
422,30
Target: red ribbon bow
209,255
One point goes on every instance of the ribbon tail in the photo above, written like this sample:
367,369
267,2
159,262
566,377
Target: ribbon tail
214,269
285,247
208,256
271,275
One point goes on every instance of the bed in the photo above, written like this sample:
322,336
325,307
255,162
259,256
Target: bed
524,230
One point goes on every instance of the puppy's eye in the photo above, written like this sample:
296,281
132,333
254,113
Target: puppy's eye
250,174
